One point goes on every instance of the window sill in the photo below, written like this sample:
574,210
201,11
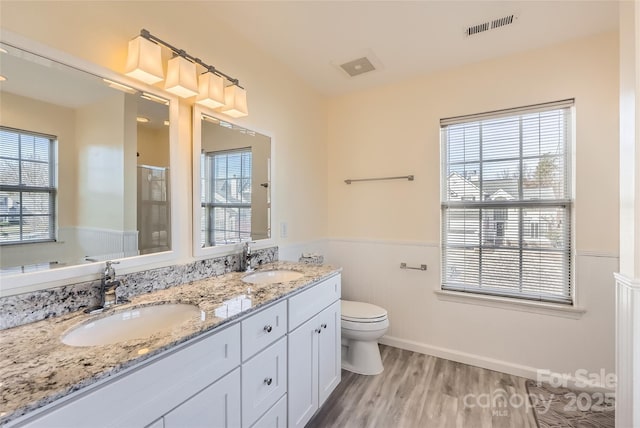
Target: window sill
542,308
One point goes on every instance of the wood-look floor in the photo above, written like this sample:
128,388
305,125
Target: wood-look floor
417,390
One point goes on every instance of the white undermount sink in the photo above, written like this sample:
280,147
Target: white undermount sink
136,323
272,276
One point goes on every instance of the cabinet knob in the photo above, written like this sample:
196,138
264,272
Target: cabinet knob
268,380
323,326
268,328
318,330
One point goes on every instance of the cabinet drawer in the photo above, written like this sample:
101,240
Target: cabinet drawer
276,417
264,381
262,329
308,303
139,396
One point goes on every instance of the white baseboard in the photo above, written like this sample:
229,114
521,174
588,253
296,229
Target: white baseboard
486,362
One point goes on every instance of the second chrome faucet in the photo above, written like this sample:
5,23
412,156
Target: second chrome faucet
108,286
245,260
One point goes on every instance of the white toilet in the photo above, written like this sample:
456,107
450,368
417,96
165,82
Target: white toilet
362,325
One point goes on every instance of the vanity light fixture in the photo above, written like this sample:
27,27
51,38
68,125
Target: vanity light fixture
235,102
213,88
181,77
144,60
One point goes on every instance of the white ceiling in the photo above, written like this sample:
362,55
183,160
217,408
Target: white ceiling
408,38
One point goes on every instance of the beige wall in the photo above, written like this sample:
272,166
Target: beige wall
100,132
394,130
280,104
153,146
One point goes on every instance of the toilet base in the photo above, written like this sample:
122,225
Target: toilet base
362,357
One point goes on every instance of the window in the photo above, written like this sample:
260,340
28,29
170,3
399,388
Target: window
226,197
506,203
27,186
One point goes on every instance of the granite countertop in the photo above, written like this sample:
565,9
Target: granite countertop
36,368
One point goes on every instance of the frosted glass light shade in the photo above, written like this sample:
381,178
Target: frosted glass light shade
144,61
235,102
181,77
211,88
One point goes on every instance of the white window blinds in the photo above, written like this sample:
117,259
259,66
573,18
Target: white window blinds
506,203
27,186
226,197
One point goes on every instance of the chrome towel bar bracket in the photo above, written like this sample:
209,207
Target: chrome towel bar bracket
404,266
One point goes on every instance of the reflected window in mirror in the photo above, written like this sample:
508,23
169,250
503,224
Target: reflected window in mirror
226,196
94,169
27,186
234,183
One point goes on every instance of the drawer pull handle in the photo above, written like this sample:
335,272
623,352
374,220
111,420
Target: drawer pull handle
268,328
323,326
268,380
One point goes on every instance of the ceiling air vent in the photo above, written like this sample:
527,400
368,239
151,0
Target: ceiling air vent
490,25
357,66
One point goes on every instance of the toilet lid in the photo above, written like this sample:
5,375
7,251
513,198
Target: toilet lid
361,312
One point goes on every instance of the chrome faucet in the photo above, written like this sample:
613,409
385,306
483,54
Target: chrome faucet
108,286
247,255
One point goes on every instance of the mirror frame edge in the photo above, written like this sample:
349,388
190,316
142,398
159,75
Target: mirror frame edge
32,281
200,253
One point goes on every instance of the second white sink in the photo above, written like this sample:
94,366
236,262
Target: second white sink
272,276
136,323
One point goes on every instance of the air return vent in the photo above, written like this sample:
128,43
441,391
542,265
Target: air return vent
357,66
490,25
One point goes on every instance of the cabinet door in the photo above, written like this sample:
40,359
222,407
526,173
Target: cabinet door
303,373
264,381
276,417
218,405
329,352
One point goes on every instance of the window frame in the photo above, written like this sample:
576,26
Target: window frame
565,204
51,190
208,228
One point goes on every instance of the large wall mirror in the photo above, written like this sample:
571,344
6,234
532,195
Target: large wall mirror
84,167
232,183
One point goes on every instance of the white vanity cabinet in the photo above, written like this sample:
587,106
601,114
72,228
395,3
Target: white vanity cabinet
314,349
217,406
272,368
140,396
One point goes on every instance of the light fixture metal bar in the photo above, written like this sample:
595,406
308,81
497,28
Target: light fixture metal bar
181,52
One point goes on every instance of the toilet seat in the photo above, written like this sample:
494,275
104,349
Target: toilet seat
360,312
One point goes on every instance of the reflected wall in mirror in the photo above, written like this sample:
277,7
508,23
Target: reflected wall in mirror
235,203
84,167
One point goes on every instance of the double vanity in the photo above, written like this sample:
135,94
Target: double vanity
198,344
237,350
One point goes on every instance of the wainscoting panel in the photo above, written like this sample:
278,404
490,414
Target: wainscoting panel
504,338
628,351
